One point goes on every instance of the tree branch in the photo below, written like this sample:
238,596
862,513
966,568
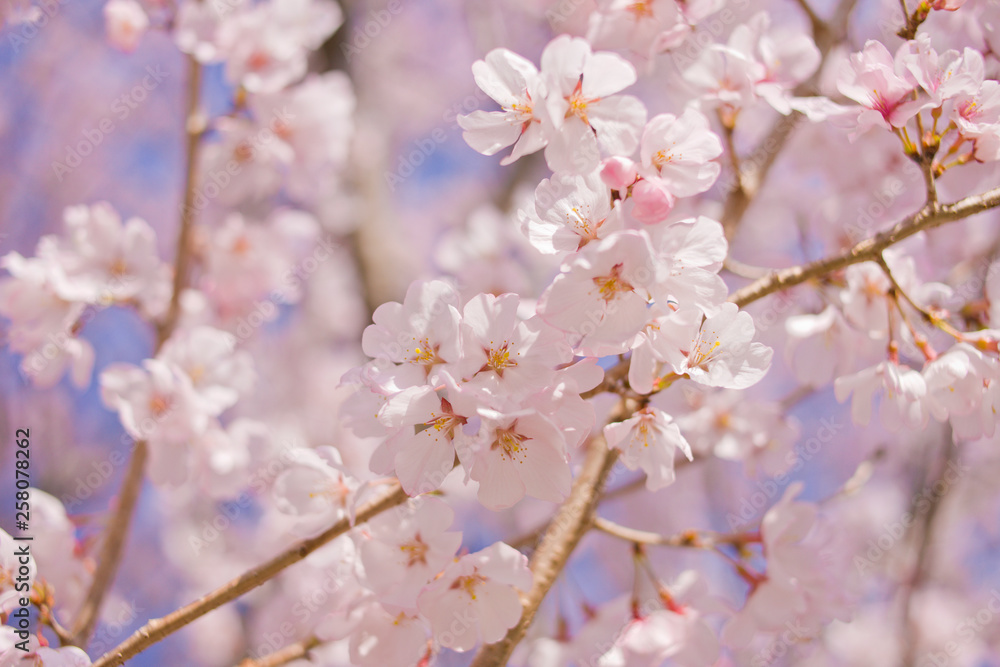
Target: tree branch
929,217
159,628
112,546
193,127
117,531
924,531
283,656
563,534
747,182
692,538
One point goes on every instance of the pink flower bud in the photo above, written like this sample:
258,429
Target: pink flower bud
618,172
652,202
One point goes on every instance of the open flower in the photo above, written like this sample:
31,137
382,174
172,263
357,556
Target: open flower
585,113
648,440
601,298
480,590
514,83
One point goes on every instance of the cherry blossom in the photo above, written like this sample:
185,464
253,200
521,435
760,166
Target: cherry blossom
570,211
421,447
315,488
903,391
314,119
786,57
423,332
647,440
475,598
601,299
401,556
881,85
585,113
265,45
10,569
794,589
645,28
43,324
249,263
522,349
506,355
517,454
722,353
218,372
678,152
67,656
722,75
513,83
386,638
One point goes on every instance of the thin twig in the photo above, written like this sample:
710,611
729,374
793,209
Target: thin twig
814,18
563,534
743,270
924,529
747,182
112,547
159,628
194,128
870,249
691,539
283,656
120,521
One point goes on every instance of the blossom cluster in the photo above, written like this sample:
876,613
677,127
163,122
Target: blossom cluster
407,430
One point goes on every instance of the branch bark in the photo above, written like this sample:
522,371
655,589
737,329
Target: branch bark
113,544
112,547
570,523
692,538
930,216
283,656
160,628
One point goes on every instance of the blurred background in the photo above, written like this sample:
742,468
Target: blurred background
412,200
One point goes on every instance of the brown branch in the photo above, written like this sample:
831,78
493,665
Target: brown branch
744,270
692,538
563,534
817,23
929,217
925,530
193,127
112,547
159,628
296,651
747,181
113,544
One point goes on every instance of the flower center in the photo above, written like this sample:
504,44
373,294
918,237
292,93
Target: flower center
416,551
258,60
663,157
510,443
158,405
498,359
119,268
426,354
612,284
243,152
703,351
335,490
578,103
469,583
641,10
